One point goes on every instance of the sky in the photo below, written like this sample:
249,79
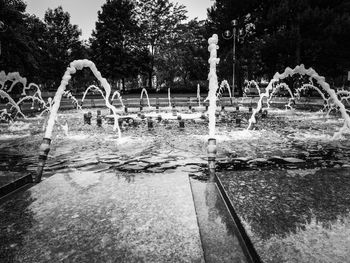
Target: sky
84,12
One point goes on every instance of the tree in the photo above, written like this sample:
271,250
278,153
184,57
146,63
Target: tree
185,57
159,20
16,54
220,17
114,41
310,32
63,44
288,32
35,30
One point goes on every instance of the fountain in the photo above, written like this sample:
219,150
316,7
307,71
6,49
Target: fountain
169,98
92,88
144,91
213,86
224,85
276,89
333,96
291,158
35,96
199,94
213,83
4,95
97,89
248,84
73,67
15,78
68,94
116,93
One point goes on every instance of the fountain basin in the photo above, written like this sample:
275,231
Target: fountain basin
287,148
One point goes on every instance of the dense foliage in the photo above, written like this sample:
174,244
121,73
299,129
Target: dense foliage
18,52
276,34
115,44
149,43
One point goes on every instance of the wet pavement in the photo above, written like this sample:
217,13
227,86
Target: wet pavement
288,181
100,217
217,229
294,215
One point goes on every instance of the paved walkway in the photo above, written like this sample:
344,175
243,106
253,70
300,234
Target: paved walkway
101,217
89,216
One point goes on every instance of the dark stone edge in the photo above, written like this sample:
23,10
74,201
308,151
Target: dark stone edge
197,220
242,235
17,185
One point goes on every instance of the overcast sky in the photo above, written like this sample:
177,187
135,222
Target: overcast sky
84,12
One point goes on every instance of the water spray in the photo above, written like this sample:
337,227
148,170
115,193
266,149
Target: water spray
199,94
144,91
169,98
332,101
73,67
213,87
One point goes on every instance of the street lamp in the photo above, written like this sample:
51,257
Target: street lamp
228,35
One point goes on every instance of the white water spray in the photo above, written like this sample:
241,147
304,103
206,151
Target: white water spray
34,90
73,67
93,88
3,94
199,94
144,91
169,98
224,85
14,78
248,84
116,93
320,81
276,89
213,82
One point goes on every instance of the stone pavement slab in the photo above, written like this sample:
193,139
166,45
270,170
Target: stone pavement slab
82,216
217,229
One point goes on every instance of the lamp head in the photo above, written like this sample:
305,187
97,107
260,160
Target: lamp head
234,22
227,33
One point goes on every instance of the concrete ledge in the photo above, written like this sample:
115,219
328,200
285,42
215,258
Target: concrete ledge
13,186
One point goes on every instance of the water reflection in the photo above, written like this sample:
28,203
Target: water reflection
280,201
218,233
293,214
281,135
273,174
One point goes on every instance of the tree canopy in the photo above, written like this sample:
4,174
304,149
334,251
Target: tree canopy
114,42
137,40
63,43
275,34
16,53
159,22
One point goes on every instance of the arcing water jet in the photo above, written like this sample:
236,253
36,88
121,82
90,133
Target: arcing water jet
73,67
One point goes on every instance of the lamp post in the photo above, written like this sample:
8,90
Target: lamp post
228,35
